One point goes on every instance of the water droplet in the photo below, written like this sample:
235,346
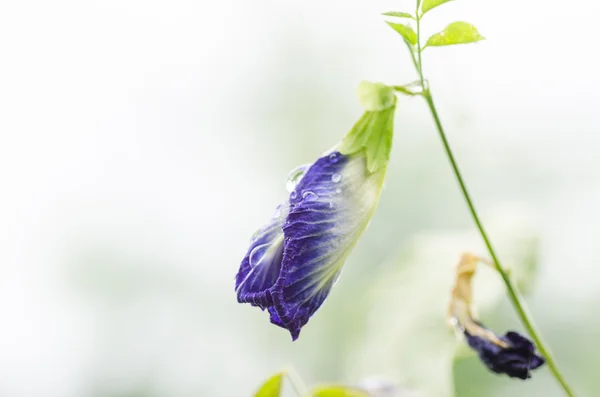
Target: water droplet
294,177
257,254
277,213
292,269
333,157
335,178
293,195
309,196
338,190
331,204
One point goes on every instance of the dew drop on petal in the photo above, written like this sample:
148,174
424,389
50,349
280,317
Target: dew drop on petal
335,178
338,190
277,213
292,269
333,158
294,177
309,196
293,195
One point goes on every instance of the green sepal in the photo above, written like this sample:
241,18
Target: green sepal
373,132
375,96
271,387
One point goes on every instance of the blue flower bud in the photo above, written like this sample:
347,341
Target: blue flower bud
294,261
296,258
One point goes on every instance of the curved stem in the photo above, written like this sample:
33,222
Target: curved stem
514,295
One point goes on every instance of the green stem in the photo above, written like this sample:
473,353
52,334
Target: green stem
513,293
419,64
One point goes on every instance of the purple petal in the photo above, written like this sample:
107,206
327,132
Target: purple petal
330,208
261,266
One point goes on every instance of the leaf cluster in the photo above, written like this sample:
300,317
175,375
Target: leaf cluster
458,32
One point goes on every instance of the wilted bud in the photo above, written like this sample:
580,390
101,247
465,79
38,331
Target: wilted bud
511,354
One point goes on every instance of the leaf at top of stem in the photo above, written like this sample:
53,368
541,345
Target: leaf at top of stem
455,33
405,31
271,387
398,14
431,4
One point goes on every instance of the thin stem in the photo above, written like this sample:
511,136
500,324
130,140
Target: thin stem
513,293
419,63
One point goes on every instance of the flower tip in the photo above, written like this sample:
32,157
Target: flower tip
295,333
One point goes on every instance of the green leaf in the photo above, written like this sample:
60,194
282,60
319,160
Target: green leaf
338,391
405,31
455,33
398,14
431,4
272,387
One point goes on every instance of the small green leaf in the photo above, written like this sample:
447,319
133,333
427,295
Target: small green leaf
431,4
405,31
272,387
338,391
455,33
398,14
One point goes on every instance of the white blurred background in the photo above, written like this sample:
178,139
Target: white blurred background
142,142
